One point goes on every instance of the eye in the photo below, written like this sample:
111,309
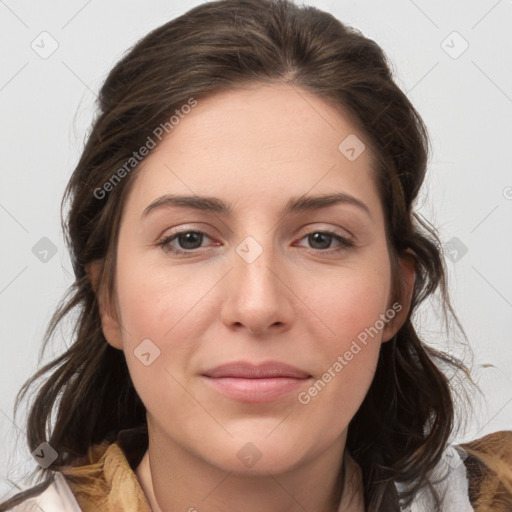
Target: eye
321,241
188,240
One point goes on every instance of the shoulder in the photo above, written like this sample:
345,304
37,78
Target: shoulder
52,496
498,443
493,451
488,461
472,476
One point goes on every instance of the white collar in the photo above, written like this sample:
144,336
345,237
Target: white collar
453,489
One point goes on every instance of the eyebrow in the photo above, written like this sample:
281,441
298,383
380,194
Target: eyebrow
299,204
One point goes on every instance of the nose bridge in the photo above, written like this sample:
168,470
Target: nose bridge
257,297
253,264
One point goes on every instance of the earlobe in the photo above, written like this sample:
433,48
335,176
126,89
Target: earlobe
109,322
407,262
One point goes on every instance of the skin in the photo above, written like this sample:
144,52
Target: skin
298,302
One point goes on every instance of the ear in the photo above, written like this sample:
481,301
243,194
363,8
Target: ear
407,263
109,318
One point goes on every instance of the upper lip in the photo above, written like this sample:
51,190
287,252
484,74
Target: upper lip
246,370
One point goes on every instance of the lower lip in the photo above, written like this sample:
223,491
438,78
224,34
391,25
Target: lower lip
256,390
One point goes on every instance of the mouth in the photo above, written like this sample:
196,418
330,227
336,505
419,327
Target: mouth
245,382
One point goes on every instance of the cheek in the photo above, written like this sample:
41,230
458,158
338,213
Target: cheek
170,308
156,303
334,397
154,341
351,301
346,359
352,304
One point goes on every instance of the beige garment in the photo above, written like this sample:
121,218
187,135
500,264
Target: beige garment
108,483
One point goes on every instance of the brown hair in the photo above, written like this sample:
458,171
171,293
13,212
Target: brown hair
407,417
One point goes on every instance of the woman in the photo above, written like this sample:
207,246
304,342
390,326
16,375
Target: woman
247,264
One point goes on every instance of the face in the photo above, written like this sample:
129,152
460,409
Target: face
252,282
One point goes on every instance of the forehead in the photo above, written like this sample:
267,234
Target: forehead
259,143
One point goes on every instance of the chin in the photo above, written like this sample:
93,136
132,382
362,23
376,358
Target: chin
254,453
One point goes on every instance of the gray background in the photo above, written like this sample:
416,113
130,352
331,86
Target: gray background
465,98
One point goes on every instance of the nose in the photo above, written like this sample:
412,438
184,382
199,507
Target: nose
257,296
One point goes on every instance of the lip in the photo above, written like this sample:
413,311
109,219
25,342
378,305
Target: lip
246,382
246,370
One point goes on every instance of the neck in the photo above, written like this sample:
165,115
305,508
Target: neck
330,483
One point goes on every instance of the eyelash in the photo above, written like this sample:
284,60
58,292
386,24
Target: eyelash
165,243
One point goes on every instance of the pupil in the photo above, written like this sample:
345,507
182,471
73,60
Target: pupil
189,240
